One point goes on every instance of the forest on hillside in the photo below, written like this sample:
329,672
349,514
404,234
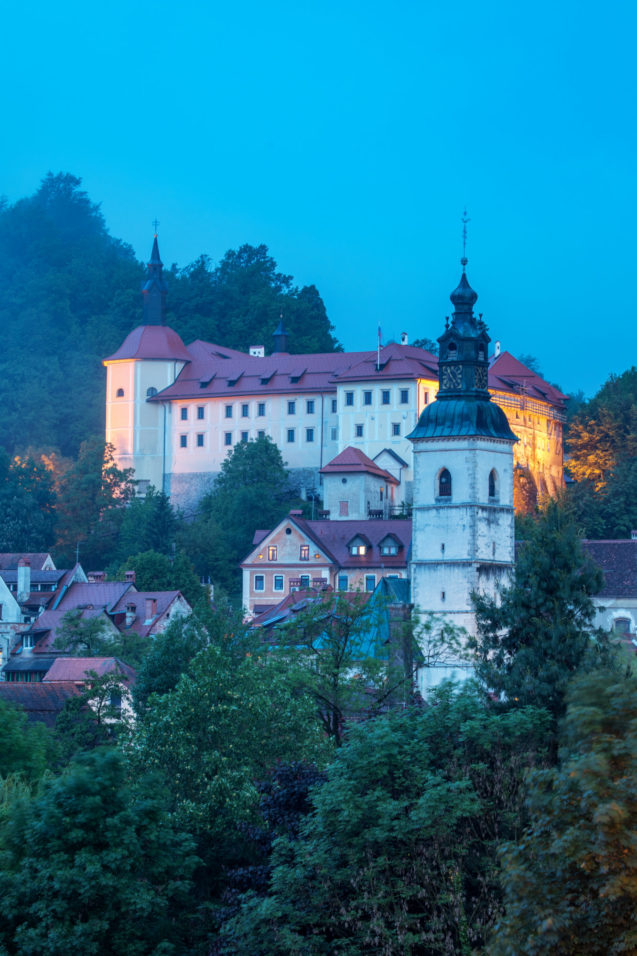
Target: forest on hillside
71,293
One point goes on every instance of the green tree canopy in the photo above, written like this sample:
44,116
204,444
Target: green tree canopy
26,748
158,572
27,504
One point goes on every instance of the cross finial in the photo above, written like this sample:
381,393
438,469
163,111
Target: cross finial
155,225
464,220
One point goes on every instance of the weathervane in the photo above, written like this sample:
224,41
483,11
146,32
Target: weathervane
465,219
155,225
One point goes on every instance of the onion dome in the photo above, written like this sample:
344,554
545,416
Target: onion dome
463,296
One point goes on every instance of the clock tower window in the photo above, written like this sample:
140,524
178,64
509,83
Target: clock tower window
444,484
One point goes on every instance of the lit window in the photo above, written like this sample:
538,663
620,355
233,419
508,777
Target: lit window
370,582
259,582
120,393
200,441
342,582
291,408
244,410
227,438
404,396
261,409
278,582
367,398
290,434
244,436
358,549
309,406
395,428
349,398
183,441
228,411
184,414
334,405
444,484
304,552
200,412
309,434
385,394
272,552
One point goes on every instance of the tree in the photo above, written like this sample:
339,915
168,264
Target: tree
27,504
26,748
532,641
430,345
399,855
95,718
148,524
158,572
93,864
84,636
571,878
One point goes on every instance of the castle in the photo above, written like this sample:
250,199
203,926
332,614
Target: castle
174,411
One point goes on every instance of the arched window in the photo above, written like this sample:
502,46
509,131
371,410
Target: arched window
444,484
120,393
452,350
493,483
151,391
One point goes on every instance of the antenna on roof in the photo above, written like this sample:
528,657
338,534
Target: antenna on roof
464,220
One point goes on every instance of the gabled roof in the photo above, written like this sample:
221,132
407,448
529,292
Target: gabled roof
395,363
100,594
390,451
45,628
37,560
354,460
151,342
298,601
41,700
507,374
77,668
164,601
618,562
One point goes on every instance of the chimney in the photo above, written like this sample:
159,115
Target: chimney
94,577
129,577
497,348
151,609
404,338
257,351
24,580
131,613
633,535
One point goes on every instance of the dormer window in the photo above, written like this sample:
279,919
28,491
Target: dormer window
389,546
358,546
358,549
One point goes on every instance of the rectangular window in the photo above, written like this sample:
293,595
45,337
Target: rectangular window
304,552
404,396
385,396
227,438
245,408
184,414
183,441
367,398
259,582
426,398
200,412
260,434
342,582
200,441
309,434
228,411
244,436
359,431
291,408
334,405
370,582
309,406
343,509
278,582
334,434
395,428
290,434
349,398
272,552
305,580
261,409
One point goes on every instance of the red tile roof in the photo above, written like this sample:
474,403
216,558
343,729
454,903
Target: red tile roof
298,601
41,700
618,562
151,342
164,600
507,374
396,362
101,594
355,460
48,624
77,668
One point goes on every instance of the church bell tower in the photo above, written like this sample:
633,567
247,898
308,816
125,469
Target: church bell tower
462,539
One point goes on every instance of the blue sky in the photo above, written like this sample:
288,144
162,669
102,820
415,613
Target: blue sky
348,137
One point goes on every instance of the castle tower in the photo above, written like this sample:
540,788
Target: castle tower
463,538
149,360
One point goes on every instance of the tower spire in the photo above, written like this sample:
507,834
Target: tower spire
464,220
154,288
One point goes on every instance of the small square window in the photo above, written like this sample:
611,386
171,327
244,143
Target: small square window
404,396
260,434
342,582
290,434
395,428
309,406
184,414
385,396
278,582
359,431
244,436
291,408
245,409
200,441
227,438
228,411
370,582
367,398
304,552
272,552
334,406
183,441
200,412
309,434
349,398
259,582
261,409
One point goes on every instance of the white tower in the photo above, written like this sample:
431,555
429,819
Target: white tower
463,538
